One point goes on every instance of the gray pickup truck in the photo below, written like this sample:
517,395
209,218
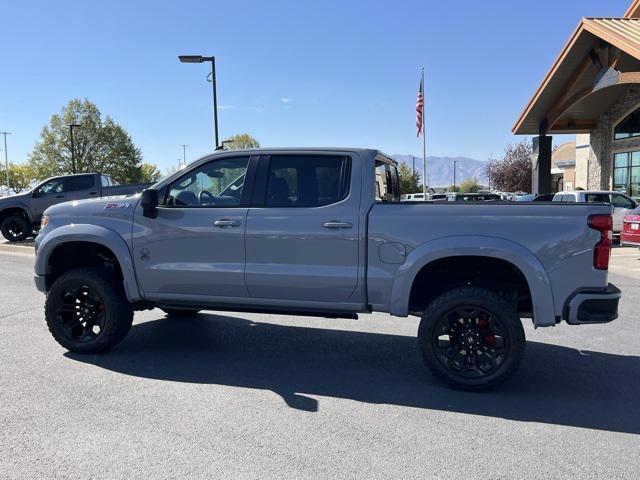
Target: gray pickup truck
322,232
20,214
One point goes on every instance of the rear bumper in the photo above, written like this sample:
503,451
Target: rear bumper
593,305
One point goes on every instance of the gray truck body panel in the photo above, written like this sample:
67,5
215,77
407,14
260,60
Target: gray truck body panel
283,258
34,206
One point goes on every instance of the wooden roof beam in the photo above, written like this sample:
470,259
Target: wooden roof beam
634,10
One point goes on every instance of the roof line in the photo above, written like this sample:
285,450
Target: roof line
547,78
586,25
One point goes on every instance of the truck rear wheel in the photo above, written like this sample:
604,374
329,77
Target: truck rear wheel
87,310
471,338
16,228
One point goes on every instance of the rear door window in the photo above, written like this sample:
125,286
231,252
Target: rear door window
76,184
307,180
597,198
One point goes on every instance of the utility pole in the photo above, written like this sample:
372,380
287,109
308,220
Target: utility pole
413,166
6,159
184,154
73,155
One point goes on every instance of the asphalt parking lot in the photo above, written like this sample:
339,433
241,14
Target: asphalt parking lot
263,396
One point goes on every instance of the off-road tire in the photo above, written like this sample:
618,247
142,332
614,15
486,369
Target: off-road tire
115,313
437,317
16,228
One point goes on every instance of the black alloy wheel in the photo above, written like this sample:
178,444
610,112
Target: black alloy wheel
472,342
471,338
15,228
80,313
87,310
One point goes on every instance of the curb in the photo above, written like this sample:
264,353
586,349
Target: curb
18,249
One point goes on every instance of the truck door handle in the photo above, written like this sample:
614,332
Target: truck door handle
226,223
336,224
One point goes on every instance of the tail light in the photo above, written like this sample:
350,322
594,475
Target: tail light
602,251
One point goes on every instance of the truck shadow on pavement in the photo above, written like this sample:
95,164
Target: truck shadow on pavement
555,385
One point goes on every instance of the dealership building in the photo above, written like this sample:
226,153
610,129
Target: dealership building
592,90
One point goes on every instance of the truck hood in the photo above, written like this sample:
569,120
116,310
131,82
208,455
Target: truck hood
120,206
13,199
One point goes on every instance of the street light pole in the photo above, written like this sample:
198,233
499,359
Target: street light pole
184,154
6,159
73,156
215,99
201,59
455,162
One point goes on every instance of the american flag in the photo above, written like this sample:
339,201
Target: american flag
419,107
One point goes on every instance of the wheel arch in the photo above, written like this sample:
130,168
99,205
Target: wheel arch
522,260
101,239
15,209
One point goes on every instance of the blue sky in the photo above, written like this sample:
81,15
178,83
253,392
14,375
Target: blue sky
290,73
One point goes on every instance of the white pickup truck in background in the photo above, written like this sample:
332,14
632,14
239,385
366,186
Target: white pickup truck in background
622,204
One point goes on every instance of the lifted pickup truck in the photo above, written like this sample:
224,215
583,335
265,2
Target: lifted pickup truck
20,214
322,232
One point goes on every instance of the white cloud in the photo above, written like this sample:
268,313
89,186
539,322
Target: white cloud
226,107
286,100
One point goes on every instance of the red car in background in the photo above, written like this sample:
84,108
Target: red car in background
630,234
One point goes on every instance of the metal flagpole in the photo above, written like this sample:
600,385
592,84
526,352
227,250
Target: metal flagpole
424,143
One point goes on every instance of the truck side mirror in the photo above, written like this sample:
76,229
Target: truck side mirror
35,193
149,202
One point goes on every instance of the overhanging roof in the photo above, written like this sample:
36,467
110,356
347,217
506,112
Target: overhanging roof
598,51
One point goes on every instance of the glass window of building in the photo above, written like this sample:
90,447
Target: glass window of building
629,127
626,173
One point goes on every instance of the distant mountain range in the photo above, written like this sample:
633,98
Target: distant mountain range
440,169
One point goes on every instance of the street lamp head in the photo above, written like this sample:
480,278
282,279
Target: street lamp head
74,125
191,58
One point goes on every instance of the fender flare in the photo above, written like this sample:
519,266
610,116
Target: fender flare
483,246
94,234
19,206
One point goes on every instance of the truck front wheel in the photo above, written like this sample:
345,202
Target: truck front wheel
87,310
471,338
16,228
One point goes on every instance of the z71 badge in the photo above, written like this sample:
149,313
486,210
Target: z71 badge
110,206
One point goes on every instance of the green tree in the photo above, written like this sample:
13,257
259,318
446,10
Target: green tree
470,185
453,189
100,145
21,176
149,173
409,181
240,141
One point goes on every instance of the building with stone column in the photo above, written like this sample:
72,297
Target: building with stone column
592,90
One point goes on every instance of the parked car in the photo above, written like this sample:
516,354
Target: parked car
631,229
534,197
413,197
472,197
622,204
20,214
300,232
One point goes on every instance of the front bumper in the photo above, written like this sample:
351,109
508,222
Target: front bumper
593,305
